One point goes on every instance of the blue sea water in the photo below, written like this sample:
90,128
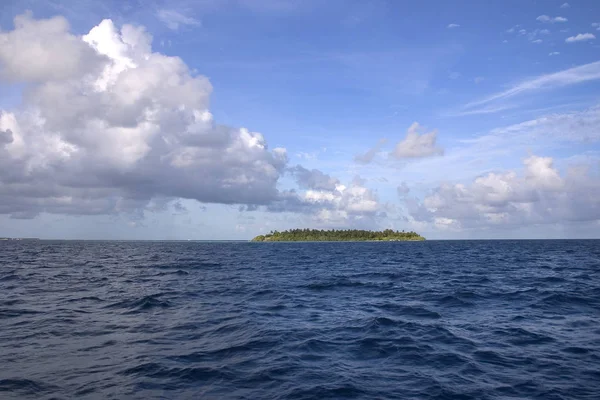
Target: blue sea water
399,320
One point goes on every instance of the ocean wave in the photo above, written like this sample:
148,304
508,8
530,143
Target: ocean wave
25,387
442,320
146,303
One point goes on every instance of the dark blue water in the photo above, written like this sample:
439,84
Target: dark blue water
430,320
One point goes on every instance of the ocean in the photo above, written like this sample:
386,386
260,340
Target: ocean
390,320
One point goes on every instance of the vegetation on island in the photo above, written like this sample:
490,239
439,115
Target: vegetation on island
348,235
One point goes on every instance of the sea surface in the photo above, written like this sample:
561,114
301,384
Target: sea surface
399,320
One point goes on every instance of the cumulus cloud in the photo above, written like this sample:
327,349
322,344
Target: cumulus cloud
416,145
537,195
108,125
403,189
565,5
6,137
174,19
547,19
596,25
452,26
313,179
371,153
341,205
44,50
582,37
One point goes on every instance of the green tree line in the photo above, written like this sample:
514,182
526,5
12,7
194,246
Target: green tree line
333,235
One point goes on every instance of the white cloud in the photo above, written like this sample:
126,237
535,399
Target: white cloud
416,145
174,19
452,26
565,5
478,111
596,25
582,37
533,36
328,202
581,126
537,41
554,53
571,76
371,153
313,179
478,79
547,19
307,156
109,126
537,195
403,189
39,51
548,133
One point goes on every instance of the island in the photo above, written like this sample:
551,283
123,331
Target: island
333,235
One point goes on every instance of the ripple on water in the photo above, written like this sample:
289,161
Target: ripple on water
26,387
145,303
432,320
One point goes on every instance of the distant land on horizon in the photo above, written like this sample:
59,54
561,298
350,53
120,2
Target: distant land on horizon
333,235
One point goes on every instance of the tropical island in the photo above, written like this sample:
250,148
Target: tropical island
333,235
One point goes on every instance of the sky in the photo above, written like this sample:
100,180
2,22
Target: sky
225,119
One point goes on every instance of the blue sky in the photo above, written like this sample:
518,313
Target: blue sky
500,87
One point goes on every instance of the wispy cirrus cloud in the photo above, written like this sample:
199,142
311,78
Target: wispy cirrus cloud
174,19
556,128
479,111
567,77
453,26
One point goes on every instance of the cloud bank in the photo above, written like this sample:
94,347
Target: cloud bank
107,125
537,195
110,126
